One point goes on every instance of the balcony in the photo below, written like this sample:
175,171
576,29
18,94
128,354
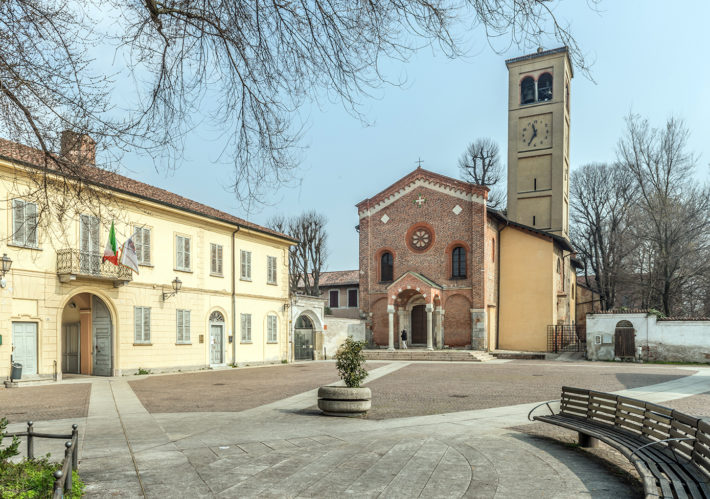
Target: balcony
73,264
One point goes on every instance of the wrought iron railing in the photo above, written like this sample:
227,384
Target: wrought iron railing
88,264
564,338
63,476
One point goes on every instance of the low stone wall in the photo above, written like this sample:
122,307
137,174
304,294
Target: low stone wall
664,340
337,330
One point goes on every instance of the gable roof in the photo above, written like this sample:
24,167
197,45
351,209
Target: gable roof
31,157
422,177
561,241
418,276
339,278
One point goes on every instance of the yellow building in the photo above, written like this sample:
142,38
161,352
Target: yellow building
212,289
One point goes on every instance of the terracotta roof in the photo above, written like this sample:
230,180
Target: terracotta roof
421,173
558,239
12,151
338,278
534,55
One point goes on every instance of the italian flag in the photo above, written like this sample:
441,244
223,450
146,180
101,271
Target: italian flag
111,251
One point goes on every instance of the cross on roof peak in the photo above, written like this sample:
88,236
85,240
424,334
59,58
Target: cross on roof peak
419,162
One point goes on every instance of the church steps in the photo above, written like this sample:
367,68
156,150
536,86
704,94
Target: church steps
429,355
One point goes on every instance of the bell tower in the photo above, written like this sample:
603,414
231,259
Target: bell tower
538,140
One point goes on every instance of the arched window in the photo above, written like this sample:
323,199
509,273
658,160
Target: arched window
493,250
544,87
386,264
527,90
458,263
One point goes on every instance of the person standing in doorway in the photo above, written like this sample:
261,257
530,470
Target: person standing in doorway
404,339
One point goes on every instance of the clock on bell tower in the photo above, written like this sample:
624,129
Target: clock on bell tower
538,140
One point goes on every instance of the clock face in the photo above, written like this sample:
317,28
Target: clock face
535,132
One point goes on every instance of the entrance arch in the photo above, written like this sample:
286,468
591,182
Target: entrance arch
303,338
216,338
87,330
624,339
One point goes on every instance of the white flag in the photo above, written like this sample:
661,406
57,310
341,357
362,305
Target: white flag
128,255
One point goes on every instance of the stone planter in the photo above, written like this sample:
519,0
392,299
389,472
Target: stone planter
344,401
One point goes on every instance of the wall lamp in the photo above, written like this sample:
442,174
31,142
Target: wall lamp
6,266
177,285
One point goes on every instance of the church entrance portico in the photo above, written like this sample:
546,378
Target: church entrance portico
414,298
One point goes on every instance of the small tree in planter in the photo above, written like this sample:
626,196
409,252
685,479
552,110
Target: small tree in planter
350,400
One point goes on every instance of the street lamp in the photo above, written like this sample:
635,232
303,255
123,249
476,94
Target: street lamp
177,285
6,265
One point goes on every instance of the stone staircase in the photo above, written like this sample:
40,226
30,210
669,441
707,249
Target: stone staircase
430,355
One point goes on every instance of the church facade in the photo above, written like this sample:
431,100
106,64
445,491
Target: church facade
436,261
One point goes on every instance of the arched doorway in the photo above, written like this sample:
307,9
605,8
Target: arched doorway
303,338
216,338
87,336
418,325
624,339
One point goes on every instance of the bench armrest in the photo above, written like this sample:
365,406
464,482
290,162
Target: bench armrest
662,441
540,405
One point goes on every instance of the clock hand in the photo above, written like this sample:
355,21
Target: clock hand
533,135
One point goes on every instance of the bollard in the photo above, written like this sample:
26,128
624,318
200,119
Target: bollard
75,438
30,443
67,459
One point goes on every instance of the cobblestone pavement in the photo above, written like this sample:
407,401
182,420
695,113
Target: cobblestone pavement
233,389
285,449
46,402
421,388
697,405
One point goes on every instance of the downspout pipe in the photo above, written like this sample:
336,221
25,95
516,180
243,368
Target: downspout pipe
234,298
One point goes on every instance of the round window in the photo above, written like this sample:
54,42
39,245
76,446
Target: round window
420,238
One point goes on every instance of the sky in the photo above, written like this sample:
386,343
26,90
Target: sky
649,58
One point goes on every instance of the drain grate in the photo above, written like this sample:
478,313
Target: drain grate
457,396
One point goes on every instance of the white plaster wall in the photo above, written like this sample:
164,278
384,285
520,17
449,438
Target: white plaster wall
337,330
680,341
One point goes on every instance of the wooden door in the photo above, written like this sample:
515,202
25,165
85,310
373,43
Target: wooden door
71,348
624,342
418,325
24,344
216,344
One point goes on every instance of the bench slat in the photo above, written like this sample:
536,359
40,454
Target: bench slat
685,419
572,389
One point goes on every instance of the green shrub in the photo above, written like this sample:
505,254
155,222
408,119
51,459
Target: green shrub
142,371
30,478
349,361
284,361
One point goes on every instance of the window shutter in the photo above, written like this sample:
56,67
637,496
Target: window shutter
248,327
137,324
18,221
186,326
179,251
95,229
138,242
31,221
145,236
179,325
213,259
84,233
249,264
243,327
146,325
219,260
187,253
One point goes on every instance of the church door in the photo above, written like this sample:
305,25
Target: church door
419,325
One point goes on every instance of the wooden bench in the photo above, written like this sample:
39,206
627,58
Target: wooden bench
670,449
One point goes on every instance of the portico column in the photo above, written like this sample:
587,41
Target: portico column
390,312
439,330
429,338
400,315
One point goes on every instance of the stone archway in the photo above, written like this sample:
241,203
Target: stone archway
87,336
303,338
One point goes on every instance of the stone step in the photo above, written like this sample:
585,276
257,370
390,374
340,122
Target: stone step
428,355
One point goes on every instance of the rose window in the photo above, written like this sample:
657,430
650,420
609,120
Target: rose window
421,239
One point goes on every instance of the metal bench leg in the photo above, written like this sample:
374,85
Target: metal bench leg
587,441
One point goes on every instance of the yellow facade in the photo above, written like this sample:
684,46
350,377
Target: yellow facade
37,297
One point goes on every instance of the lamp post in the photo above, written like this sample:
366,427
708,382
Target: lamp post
177,286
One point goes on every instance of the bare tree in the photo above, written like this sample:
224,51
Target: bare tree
602,198
243,67
674,212
307,258
480,164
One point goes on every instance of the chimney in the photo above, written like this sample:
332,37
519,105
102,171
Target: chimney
78,148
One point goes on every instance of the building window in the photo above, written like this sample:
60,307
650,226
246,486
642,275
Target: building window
141,322
141,239
493,250
352,298
386,267
533,220
527,90
334,298
24,223
216,259
271,269
271,328
559,266
182,253
246,328
183,326
458,263
245,259
544,87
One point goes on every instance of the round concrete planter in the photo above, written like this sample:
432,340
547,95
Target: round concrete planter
344,401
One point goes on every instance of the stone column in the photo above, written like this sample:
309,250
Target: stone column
439,327
390,312
429,338
400,315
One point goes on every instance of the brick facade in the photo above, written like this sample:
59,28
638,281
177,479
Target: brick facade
453,214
